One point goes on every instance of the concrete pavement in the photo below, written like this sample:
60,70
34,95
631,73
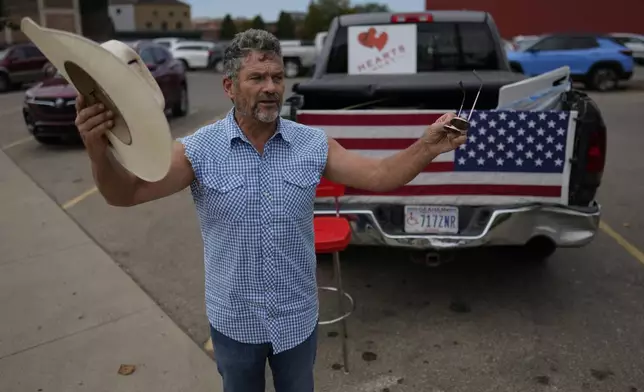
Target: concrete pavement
71,317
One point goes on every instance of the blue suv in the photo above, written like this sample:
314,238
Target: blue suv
598,61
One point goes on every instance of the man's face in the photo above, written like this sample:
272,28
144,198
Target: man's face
259,89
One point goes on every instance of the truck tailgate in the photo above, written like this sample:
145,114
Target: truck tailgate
510,158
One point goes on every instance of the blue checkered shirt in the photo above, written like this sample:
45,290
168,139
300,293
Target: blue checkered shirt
256,216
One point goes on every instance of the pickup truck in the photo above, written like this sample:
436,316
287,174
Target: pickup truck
534,159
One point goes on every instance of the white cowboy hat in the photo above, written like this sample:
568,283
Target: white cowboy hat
114,74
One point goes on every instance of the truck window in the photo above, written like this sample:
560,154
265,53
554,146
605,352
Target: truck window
441,46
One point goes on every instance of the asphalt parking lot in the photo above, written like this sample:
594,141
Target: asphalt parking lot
487,322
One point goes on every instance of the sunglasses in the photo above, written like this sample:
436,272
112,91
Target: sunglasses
460,124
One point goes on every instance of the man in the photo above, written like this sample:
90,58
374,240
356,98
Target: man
253,178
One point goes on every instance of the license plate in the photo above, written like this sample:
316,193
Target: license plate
431,219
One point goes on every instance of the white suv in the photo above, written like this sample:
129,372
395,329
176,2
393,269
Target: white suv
193,54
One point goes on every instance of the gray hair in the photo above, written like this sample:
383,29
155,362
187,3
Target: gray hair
243,44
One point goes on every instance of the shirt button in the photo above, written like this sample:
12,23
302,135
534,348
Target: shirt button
267,195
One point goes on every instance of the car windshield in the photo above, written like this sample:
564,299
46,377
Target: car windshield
442,46
3,53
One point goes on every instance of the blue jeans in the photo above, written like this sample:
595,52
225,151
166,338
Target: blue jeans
242,366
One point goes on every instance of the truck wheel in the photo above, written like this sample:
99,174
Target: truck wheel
291,68
5,83
603,78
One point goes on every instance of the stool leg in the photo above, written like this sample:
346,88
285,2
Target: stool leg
337,272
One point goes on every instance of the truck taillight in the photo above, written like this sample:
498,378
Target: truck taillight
411,18
627,52
596,154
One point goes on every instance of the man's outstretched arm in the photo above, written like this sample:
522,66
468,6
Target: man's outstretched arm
386,174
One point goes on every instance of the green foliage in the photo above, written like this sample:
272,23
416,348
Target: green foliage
258,23
314,22
228,28
285,26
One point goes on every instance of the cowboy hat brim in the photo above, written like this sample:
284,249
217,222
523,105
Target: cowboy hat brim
140,139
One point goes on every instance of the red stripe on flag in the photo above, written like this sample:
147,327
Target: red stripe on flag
383,120
375,144
436,167
465,190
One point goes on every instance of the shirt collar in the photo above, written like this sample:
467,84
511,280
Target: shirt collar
234,132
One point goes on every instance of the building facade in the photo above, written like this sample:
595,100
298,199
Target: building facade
150,15
57,14
549,16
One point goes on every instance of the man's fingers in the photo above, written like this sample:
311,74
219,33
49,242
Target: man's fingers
90,111
100,129
96,120
80,103
445,118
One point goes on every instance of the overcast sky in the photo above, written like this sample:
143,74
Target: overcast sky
269,10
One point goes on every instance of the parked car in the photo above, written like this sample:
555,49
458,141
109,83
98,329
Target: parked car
634,42
595,60
167,42
48,107
21,64
193,54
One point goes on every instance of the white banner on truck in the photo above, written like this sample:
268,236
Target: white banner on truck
382,49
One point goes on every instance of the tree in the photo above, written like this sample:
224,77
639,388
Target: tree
228,28
258,23
370,7
285,26
314,22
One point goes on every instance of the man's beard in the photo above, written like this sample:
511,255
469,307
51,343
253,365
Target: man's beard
265,116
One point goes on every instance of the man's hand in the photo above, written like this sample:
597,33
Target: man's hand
92,123
440,139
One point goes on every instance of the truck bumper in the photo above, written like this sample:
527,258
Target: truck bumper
502,226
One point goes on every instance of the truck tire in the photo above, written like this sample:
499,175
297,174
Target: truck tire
603,77
292,68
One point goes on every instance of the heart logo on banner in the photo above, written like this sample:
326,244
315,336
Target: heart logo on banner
369,39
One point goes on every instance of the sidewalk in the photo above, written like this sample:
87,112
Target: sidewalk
70,317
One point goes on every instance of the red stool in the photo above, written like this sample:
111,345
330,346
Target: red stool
333,235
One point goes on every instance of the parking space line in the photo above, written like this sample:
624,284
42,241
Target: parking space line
17,143
72,202
69,204
623,242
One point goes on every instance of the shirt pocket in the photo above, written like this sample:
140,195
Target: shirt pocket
226,196
299,192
